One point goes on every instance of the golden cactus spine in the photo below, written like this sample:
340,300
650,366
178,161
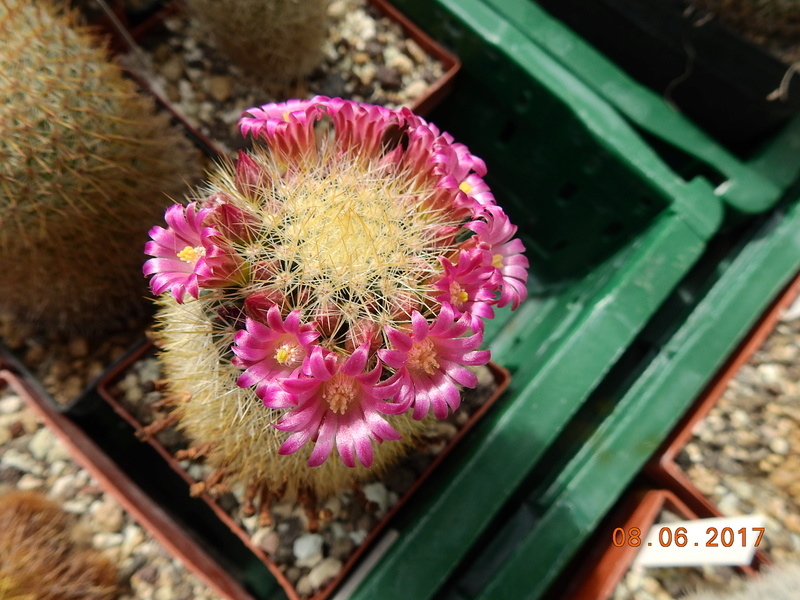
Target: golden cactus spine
42,558
86,162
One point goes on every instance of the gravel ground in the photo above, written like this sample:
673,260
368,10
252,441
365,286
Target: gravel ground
34,459
309,555
745,457
367,58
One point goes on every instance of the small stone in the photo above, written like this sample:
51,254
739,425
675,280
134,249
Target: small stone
40,443
267,540
415,51
108,515
72,387
780,445
376,492
77,506
22,462
78,347
104,540
402,63
29,482
34,354
324,572
58,453
307,549
389,78
220,87
304,587
10,404
172,69
337,9
341,548
415,89
133,536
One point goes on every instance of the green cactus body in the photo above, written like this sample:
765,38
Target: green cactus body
277,41
42,558
86,163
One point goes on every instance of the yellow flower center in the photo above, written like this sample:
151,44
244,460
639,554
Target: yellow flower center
289,354
191,254
497,261
458,296
422,357
465,187
339,392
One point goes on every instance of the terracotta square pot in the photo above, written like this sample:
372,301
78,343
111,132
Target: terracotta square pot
106,389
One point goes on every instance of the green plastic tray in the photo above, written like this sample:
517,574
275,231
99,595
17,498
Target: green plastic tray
564,164
632,411
748,185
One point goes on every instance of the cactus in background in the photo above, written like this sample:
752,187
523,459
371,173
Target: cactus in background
85,163
277,41
41,558
762,18
329,291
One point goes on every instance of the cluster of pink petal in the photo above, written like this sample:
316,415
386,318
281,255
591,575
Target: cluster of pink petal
330,397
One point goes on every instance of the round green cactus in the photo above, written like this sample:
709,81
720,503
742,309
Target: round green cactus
86,162
278,41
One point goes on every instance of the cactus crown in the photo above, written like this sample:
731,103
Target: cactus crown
344,269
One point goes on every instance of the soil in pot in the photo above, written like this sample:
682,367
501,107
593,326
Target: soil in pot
745,455
367,57
310,547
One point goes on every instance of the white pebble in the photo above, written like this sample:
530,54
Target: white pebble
377,493
29,482
307,549
41,443
108,515
324,572
22,462
780,446
10,404
267,540
105,540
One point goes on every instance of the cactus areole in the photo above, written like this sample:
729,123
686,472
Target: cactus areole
342,271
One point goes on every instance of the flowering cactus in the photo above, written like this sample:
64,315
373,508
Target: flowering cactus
329,292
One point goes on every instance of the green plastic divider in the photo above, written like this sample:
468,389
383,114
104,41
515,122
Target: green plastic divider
564,164
750,186
646,403
591,198
588,324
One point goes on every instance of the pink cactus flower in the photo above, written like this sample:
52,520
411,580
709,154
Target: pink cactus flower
506,253
468,287
430,361
271,352
336,402
187,255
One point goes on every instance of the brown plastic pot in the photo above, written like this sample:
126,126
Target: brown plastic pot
602,565
501,377
156,521
663,467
